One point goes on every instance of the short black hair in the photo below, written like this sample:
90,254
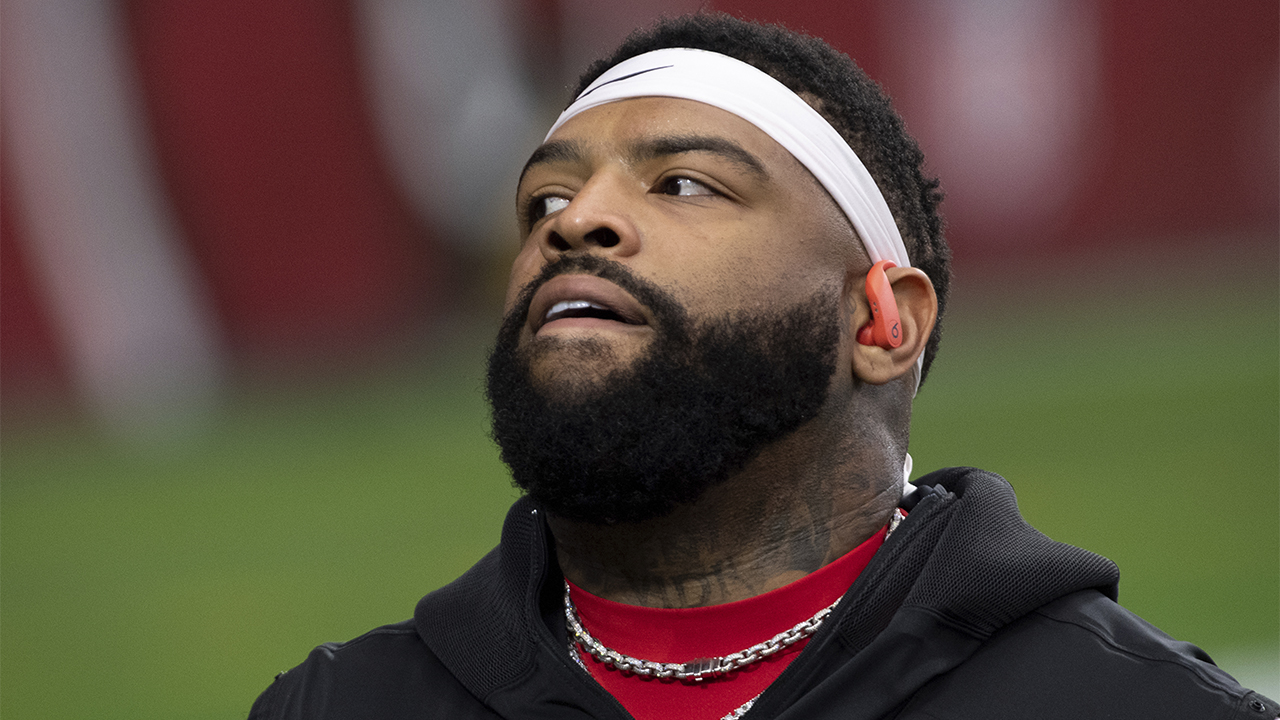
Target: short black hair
851,101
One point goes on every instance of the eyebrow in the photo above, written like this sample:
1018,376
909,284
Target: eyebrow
665,145
568,151
555,151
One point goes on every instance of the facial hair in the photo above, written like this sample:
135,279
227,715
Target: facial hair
697,406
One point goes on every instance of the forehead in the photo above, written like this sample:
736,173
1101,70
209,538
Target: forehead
621,125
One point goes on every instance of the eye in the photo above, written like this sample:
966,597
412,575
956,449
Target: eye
541,207
683,186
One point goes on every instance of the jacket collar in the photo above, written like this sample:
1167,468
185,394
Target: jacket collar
962,565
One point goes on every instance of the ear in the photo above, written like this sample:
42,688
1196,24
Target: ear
917,310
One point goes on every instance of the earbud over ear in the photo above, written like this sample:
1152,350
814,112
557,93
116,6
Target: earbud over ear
885,328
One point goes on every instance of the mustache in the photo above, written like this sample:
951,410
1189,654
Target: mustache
666,310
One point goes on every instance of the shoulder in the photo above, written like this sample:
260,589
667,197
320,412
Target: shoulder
1085,656
388,672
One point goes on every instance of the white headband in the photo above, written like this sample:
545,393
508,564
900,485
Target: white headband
755,96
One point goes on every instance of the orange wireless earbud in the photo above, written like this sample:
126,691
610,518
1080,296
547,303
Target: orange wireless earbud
885,329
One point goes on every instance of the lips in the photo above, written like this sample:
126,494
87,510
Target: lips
584,301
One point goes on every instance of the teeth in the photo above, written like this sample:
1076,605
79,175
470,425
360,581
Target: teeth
567,305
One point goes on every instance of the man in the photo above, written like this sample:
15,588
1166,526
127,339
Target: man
726,298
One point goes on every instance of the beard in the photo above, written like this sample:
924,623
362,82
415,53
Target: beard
697,406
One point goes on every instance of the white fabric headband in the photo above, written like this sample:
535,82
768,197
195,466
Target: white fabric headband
755,96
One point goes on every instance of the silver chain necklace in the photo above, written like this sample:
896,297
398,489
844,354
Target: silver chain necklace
698,669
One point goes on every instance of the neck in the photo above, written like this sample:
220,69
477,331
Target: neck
794,509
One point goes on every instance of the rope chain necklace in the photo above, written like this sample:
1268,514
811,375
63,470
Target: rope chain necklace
698,669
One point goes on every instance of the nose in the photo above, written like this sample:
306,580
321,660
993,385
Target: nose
599,218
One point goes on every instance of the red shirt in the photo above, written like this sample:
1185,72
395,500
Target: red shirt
684,634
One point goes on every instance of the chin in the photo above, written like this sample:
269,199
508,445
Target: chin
560,366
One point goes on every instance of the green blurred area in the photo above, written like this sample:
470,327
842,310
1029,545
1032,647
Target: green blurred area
1137,419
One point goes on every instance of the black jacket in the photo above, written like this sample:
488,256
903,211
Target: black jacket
965,612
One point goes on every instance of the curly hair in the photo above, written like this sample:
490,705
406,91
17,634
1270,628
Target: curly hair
851,101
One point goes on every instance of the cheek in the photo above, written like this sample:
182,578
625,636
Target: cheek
759,270
526,267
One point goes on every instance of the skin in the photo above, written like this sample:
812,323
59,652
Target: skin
709,207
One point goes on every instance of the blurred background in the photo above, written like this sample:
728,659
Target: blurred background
253,254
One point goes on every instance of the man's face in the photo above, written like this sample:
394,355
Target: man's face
675,307
688,197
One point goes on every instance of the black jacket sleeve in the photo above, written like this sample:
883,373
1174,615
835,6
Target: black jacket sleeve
1083,656
386,673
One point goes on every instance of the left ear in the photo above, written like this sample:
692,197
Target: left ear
917,310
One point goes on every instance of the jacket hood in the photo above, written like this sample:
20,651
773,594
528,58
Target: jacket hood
967,565
961,566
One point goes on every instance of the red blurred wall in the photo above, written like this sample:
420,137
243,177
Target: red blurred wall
265,140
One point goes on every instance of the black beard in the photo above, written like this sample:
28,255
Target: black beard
694,409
